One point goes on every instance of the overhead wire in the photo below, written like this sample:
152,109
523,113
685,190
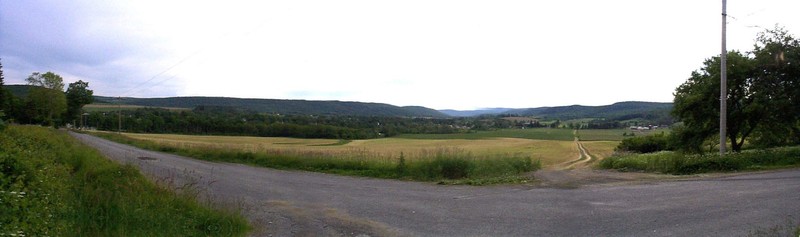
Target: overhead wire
140,87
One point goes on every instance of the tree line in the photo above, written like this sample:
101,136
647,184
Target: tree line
218,120
47,103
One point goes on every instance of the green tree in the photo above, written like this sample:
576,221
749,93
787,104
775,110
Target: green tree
4,95
762,95
778,56
46,99
77,96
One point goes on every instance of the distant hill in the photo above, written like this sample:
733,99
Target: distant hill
309,107
18,90
616,111
471,113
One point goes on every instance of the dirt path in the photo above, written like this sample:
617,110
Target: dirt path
285,203
584,159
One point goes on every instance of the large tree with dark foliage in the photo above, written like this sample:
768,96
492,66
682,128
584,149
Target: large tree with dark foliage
78,95
46,99
762,96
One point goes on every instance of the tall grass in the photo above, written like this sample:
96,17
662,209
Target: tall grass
51,185
678,163
435,165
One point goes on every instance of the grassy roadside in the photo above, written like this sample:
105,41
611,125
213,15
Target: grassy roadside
51,185
444,166
677,163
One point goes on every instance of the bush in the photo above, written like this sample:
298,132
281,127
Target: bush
680,163
646,144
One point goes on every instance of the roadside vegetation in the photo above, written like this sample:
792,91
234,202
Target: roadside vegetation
671,162
452,166
51,185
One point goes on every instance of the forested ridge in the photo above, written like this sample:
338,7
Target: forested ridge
276,106
617,111
220,120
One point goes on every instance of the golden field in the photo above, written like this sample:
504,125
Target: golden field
549,152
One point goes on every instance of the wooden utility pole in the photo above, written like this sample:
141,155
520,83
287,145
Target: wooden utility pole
723,87
119,115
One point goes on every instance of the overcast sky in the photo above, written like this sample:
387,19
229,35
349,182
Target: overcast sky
455,54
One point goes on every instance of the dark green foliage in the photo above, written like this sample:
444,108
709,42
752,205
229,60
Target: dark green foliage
51,185
695,106
680,163
78,95
645,144
2,123
209,120
20,91
763,96
46,101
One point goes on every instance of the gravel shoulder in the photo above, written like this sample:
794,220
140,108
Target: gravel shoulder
290,203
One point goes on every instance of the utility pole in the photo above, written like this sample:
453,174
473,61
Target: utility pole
119,115
723,81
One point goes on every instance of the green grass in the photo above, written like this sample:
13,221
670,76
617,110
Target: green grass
677,163
443,165
51,185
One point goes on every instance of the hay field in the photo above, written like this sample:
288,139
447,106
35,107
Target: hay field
549,152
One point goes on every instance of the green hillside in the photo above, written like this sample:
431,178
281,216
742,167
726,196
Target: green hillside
18,90
617,111
276,106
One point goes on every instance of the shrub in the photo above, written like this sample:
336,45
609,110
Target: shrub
645,144
680,163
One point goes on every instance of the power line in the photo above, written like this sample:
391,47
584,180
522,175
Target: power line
138,88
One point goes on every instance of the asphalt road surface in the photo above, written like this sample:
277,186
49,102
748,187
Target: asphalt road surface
289,203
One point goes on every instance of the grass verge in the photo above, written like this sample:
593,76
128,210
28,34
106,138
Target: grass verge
446,166
51,185
677,163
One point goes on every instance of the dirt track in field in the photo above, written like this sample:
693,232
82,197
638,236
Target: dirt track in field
287,203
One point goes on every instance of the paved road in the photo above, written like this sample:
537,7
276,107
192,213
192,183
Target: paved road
284,203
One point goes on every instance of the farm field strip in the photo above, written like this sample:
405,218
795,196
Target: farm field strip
549,152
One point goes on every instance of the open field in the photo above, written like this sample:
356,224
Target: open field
536,134
550,146
559,134
501,156
114,107
386,149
